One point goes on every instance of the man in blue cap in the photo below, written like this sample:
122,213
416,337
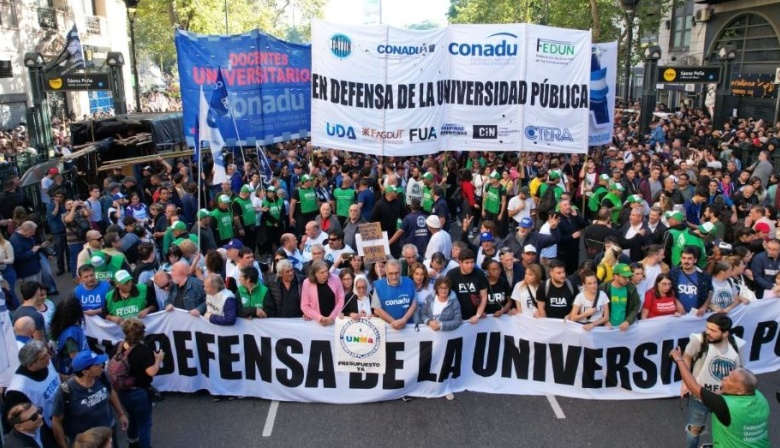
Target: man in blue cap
526,235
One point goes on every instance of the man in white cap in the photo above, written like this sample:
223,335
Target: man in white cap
440,241
224,217
202,229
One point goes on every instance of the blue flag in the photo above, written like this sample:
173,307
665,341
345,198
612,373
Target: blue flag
219,105
599,89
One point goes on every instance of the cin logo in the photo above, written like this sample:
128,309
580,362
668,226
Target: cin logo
548,134
341,46
340,131
423,134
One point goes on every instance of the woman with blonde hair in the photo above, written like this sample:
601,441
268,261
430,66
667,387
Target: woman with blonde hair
524,293
604,269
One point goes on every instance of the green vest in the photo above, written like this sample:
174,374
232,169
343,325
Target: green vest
683,238
111,267
618,206
129,307
274,209
594,202
253,299
248,217
749,422
344,199
493,200
308,201
224,223
427,200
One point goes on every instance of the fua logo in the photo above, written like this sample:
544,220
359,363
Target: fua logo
337,130
341,46
423,134
548,134
497,49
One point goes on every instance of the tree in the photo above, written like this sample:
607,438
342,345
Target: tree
425,25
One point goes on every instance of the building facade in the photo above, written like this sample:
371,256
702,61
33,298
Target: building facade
41,26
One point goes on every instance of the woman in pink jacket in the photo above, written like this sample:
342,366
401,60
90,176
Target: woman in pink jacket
322,295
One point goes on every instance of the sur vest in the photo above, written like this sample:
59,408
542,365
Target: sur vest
253,299
618,206
275,210
427,200
493,199
112,265
129,307
594,202
308,200
344,199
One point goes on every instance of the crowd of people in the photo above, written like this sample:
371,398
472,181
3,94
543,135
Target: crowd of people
663,224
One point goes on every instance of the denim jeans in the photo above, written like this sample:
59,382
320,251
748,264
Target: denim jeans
47,277
9,274
697,416
73,255
59,245
139,411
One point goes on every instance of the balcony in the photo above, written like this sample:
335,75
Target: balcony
47,18
8,14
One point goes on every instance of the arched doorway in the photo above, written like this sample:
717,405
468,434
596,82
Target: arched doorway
758,54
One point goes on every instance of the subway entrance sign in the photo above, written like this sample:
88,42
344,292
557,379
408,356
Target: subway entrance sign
689,74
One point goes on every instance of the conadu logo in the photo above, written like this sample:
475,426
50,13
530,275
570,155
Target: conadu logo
500,45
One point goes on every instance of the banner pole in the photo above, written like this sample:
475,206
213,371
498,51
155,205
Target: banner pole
582,182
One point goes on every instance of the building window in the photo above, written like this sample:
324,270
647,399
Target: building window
8,14
753,37
6,70
682,23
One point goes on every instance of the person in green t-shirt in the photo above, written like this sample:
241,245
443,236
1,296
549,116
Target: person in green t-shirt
304,205
427,193
252,295
494,202
344,197
224,217
128,299
623,297
741,411
244,217
273,213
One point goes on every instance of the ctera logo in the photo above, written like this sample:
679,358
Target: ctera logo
547,134
341,46
422,135
554,47
337,130
494,49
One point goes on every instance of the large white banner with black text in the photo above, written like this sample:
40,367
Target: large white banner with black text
293,360
383,90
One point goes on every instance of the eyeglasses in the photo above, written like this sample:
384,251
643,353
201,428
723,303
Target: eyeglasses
97,239
34,417
665,283
166,287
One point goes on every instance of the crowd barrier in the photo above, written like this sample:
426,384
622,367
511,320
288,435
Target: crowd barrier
293,360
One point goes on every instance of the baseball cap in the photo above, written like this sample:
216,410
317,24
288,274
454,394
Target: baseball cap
526,223
147,168
306,178
554,175
233,244
495,175
118,196
529,248
224,199
246,189
428,176
708,227
433,222
676,215
97,259
54,171
634,199
622,270
178,225
761,227
86,359
485,236
617,186
271,189
122,277
202,213
392,189
604,177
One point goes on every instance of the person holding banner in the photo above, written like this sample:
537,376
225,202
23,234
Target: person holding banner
441,311
394,297
322,295
358,305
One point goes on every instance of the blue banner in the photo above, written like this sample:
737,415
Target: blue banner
266,82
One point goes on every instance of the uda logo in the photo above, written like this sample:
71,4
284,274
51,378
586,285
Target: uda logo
341,46
721,367
340,131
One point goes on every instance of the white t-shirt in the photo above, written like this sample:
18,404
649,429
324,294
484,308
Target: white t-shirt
322,238
332,255
438,307
525,294
439,242
451,264
549,251
514,204
586,305
723,293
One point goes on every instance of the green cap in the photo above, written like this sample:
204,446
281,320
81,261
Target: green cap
617,186
224,199
707,227
246,189
495,175
202,213
306,178
676,215
178,225
554,175
122,277
634,199
392,189
604,177
622,270
272,189
428,176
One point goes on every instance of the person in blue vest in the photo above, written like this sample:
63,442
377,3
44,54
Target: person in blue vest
68,333
90,292
393,299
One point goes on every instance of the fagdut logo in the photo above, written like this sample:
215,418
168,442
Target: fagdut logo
360,339
546,134
499,49
395,137
341,46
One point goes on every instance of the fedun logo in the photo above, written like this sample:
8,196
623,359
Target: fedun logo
670,74
360,339
547,134
500,49
554,47
341,46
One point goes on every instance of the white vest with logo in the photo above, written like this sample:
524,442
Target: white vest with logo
717,363
40,393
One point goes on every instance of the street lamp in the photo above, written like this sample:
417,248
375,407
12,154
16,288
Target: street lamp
115,60
651,56
132,6
41,128
630,7
726,54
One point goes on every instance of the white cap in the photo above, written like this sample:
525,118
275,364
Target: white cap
529,248
433,222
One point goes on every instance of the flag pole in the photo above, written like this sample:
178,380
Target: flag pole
198,150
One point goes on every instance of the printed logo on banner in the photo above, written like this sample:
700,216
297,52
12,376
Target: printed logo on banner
422,134
453,129
547,134
390,51
485,131
554,51
500,49
341,46
379,135
340,131
360,339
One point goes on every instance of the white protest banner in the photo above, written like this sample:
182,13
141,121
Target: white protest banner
512,87
603,72
293,360
360,345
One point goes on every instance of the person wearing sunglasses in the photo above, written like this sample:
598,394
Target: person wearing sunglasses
27,421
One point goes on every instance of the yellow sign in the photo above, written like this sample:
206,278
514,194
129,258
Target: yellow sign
670,74
55,83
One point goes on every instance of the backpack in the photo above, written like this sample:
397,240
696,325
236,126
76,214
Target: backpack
546,203
81,225
705,345
119,369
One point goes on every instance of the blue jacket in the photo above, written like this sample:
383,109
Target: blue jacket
764,270
450,317
194,295
55,221
26,262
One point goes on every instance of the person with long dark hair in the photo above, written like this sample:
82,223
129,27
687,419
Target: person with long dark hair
67,332
660,300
